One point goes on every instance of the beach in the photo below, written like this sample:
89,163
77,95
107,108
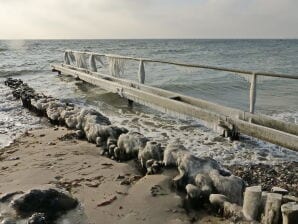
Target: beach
40,158
119,164
148,112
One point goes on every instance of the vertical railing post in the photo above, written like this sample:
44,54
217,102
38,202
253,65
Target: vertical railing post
253,93
66,58
141,73
92,63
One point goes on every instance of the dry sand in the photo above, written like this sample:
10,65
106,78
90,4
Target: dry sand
109,192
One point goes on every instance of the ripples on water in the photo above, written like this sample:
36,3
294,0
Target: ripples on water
30,60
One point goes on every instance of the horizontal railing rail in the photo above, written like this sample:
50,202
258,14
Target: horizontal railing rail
233,70
71,56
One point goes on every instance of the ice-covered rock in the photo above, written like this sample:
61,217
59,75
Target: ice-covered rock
230,186
130,144
171,154
152,150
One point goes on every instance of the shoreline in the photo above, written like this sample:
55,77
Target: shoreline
182,181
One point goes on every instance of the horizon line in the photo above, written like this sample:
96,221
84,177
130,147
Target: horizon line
163,38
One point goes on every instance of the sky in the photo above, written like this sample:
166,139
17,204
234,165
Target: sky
117,19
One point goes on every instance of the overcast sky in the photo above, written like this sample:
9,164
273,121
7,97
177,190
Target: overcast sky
50,19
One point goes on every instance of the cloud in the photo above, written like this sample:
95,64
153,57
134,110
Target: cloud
148,19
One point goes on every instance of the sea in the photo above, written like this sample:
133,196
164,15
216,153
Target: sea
30,61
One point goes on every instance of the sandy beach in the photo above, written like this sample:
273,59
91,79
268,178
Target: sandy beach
48,157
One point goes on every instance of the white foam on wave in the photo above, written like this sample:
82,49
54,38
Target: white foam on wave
291,117
202,141
14,120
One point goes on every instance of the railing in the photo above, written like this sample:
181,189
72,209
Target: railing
76,58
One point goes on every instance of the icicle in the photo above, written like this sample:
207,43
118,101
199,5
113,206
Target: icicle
92,63
71,58
66,58
98,59
141,73
80,60
116,66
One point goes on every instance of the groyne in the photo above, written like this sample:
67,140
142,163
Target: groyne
202,179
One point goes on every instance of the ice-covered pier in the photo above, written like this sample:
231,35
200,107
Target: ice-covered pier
229,121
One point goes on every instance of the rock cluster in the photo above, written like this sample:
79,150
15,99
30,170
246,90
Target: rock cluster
90,123
202,176
198,176
283,175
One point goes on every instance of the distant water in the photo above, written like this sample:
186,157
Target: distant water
30,60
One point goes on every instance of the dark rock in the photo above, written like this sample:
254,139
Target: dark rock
8,196
80,134
52,202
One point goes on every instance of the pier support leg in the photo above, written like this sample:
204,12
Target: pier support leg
54,70
227,130
130,103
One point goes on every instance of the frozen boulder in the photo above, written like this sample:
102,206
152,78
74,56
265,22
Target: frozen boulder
130,144
230,186
152,150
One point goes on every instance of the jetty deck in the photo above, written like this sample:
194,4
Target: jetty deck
228,121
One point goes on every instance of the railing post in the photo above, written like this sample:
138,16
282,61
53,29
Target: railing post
66,58
92,63
141,72
253,93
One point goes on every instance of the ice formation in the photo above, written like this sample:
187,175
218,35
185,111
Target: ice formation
141,73
116,66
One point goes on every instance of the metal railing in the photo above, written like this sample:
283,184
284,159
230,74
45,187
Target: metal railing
253,82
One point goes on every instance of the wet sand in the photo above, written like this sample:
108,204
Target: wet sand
108,191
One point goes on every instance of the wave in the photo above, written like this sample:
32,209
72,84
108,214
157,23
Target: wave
291,117
170,51
19,72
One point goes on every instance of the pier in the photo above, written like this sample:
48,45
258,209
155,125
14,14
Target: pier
228,121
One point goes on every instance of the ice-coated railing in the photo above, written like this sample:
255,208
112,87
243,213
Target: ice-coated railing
89,60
